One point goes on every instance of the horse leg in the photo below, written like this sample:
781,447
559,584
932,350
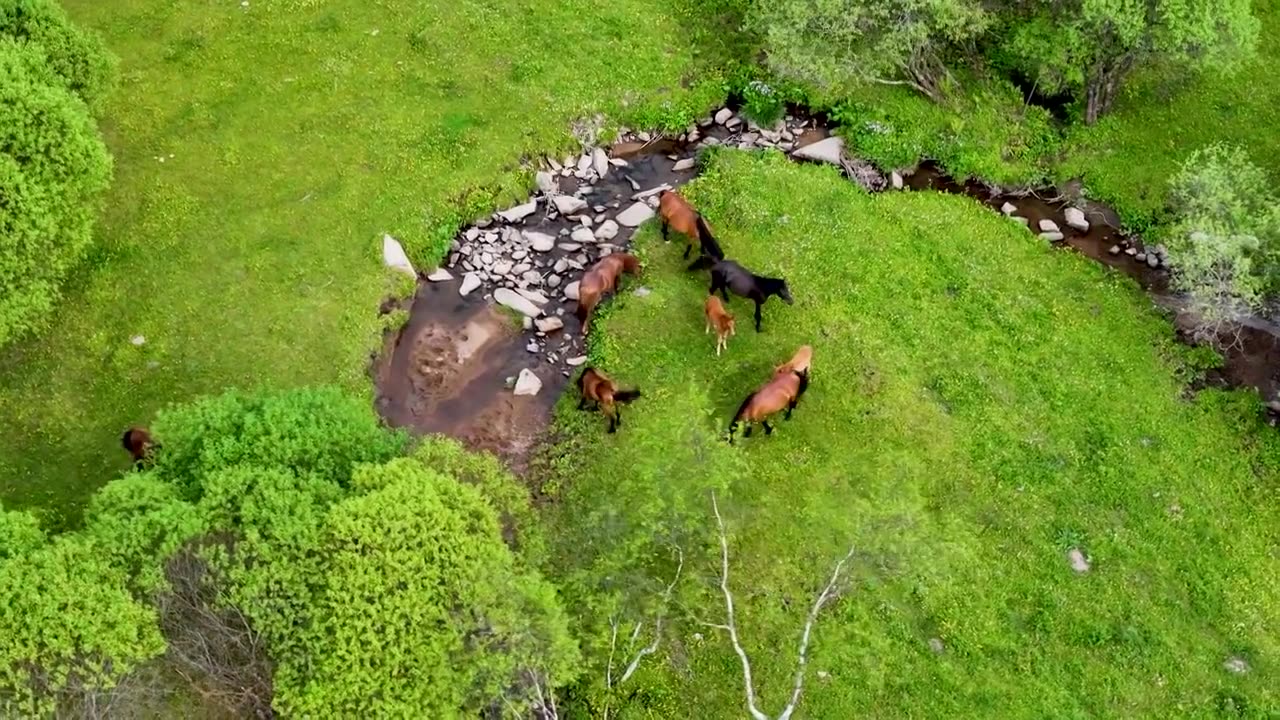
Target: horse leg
791,406
582,403
758,314
747,433
613,423
687,248
665,229
768,429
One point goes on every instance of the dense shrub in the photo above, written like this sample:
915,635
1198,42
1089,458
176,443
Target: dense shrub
834,44
1225,237
77,58
1089,47
68,623
53,167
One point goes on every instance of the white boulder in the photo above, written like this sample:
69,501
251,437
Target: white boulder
527,383
517,302
635,215
830,150
394,257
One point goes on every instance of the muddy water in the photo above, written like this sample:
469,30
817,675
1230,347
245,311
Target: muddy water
1252,354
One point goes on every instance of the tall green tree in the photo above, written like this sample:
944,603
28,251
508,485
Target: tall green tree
1090,47
836,44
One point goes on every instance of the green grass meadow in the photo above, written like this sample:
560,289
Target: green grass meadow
981,404
261,150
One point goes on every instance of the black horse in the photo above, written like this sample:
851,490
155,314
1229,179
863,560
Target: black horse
728,275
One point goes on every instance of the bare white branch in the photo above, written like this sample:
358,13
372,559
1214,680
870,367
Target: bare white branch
803,660
731,627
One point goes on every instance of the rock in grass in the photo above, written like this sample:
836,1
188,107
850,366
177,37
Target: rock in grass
1008,208
723,116
540,242
1048,225
394,257
1235,664
576,361
1052,236
1077,560
568,204
895,180
685,164
517,302
830,151
440,275
1075,218
519,212
527,383
635,215
470,282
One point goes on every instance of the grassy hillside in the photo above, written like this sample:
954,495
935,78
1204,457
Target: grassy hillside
981,405
261,150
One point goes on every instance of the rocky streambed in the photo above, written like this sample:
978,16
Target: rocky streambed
492,338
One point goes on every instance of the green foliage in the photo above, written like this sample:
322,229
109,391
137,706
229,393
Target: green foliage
839,44
1089,47
980,404
138,521
68,625
402,600
318,432
53,166
1225,236
77,57
20,533
987,132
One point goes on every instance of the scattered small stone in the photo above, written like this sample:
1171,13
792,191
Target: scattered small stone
553,281
532,277
830,150
549,324
734,122
1008,208
935,644
896,181
642,291
519,212
1236,664
600,162
582,235
571,290
519,255
722,117
527,383
568,204
634,185
486,258
546,182
1131,251
137,341
534,296
584,164
635,215
533,347
570,247
618,162
561,265
502,267
471,234
1052,236
685,164
1048,225
1075,218
440,275
394,257
650,192
608,230
576,361
470,282
540,242
1140,257
1162,251
1153,261
521,268
516,302
1114,249
1077,560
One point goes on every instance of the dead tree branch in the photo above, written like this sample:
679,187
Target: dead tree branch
731,624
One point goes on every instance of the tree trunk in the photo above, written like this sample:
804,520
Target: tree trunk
927,74
1104,85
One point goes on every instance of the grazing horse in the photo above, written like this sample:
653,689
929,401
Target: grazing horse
137,440
727,275
600,389
676,212
600,279
721,320
784,389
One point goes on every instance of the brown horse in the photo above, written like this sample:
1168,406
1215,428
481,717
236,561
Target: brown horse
598,388
676,212
137,440
721,320
602,278
784,389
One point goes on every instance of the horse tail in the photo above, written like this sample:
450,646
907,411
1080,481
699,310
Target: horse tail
707,240
742,410
626,396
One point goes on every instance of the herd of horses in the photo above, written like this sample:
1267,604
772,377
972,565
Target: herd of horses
788,381
781,392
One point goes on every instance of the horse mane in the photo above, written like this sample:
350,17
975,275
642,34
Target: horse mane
707,240
743,408
770,286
